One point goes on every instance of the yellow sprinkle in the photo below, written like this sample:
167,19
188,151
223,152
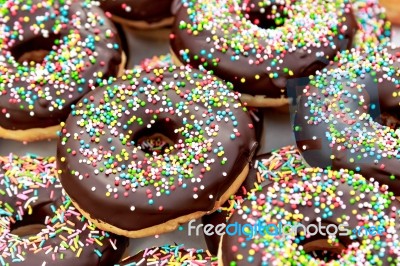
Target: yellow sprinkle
98,242
78,254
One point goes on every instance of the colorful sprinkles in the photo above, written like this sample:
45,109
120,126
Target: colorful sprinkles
282,162
30,189
211,131
373,26
266,168
269,167
81,45
303,36
310,195
352,107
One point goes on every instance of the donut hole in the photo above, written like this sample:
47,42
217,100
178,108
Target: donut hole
28,230
33,50
265,17
390,120
159,139
321,249
317,243
33,223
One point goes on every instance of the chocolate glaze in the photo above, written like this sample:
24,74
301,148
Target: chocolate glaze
59,21
139,10
312,139
80,157
287,195
299,61
35,178
222,215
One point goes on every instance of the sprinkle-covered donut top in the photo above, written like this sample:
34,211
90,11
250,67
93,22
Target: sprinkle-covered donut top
139,10
170,255
154,145
348,116
31,195
259,45
310,197
163,61
265,169
51,54
373,26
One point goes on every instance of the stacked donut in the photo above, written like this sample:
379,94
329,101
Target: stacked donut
142,151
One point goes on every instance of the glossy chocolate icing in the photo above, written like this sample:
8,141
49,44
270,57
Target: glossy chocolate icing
196,51
368,147
310,197
214,127
83,45
32,195
139,10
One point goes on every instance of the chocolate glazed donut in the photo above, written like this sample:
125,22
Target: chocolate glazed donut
151,148
259,46
347,117
139,10
319,210
51,54
39,225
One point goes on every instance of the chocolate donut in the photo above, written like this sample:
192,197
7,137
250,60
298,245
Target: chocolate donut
316,217
140,13
264,169
346,117
40,226
259,45
51,54
170,255
158,148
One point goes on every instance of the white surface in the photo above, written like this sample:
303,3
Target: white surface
277,133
